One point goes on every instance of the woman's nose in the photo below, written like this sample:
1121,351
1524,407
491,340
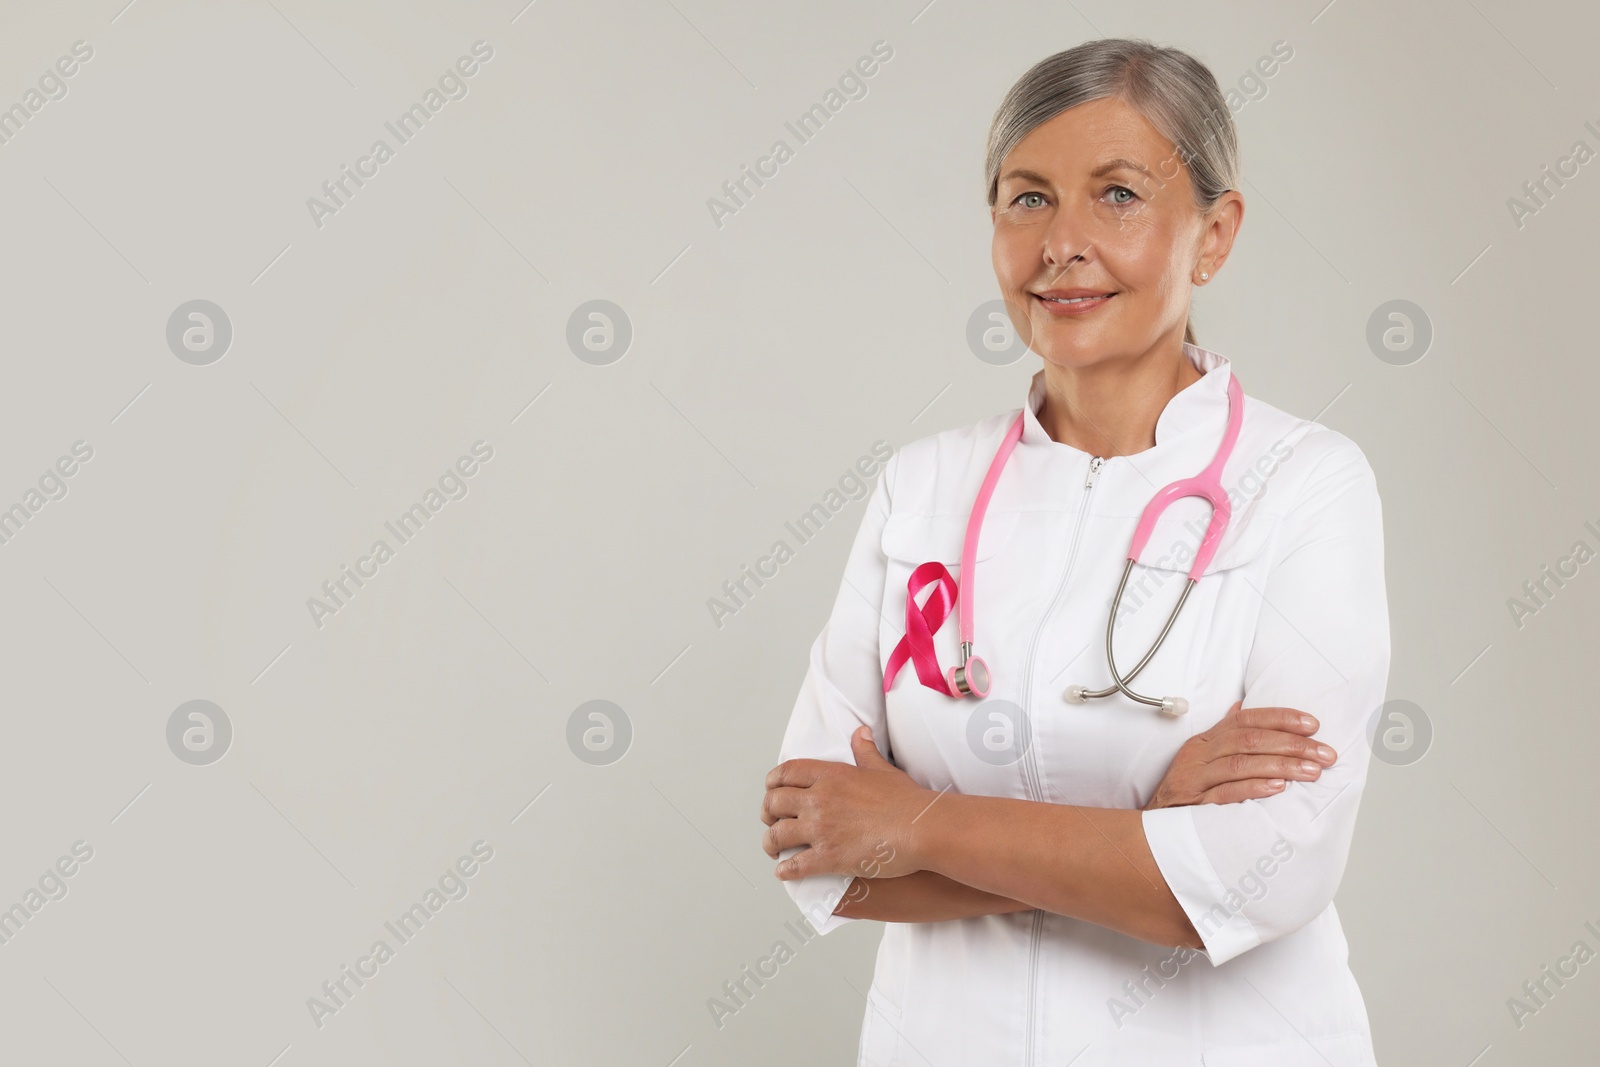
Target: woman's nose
1069,236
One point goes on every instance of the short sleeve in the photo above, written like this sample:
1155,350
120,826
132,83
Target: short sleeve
843,688
1257,870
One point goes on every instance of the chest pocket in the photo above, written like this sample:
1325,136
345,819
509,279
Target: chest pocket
1112,750
908,541
1214,632
927,728
917,539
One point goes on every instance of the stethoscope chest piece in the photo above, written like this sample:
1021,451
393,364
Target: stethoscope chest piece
973,677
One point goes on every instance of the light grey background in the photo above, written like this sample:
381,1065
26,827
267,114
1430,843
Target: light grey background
768,354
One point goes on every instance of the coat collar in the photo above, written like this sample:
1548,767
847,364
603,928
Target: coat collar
1199,404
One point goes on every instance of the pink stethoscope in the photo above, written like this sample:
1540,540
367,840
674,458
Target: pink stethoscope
972,678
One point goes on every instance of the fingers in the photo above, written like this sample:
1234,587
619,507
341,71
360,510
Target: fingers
1247,754
797,866
782,803
798,772
1242,766
865,750
1235,774
793,775
1251,740
785,833
1249,789
1289,720
1270,731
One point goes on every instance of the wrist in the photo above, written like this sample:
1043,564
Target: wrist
927,840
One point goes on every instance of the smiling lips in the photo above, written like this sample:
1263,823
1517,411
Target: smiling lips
1073,301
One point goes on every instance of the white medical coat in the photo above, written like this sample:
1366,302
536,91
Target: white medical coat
1292,612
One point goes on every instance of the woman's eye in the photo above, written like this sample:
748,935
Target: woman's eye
1024,196
1132,196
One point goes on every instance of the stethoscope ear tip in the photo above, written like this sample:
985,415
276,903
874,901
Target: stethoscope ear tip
1174,706
1077,694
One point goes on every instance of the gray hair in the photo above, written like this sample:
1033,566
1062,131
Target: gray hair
1175,92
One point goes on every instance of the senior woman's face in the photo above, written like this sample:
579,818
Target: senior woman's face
1073,211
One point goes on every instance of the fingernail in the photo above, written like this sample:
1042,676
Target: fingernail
1308,722
1325,753
1274,783
1309,767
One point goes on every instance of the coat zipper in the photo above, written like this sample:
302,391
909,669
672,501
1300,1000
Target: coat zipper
1031,779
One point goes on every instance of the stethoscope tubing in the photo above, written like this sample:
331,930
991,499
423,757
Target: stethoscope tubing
972,677
1170,705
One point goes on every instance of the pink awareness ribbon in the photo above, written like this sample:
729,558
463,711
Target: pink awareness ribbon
921,624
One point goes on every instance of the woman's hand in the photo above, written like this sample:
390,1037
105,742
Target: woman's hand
1249,753
857,820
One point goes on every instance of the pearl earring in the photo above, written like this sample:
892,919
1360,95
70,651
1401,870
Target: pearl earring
1204,275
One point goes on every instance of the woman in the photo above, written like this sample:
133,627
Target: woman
1109,881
